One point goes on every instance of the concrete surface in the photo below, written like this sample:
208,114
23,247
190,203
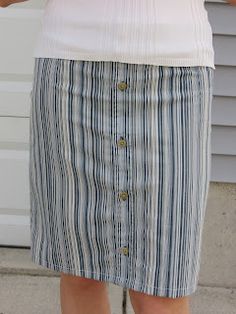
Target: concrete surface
22,294
208,300
26,288
18,260
218,256
29,294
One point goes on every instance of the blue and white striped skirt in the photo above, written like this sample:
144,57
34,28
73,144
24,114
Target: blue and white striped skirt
119,171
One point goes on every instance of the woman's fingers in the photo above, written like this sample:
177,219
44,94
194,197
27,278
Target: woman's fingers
6,3
232,2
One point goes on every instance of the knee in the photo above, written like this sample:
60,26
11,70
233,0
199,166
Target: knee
148,304
73,281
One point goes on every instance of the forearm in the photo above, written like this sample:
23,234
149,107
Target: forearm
232,2
6,3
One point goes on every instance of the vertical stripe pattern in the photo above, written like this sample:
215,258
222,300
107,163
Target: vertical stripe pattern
119,178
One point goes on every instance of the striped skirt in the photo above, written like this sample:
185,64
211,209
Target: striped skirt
119,171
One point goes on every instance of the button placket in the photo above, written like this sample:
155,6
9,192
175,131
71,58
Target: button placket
122,163
123,196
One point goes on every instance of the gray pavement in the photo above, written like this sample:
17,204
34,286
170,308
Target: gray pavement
26,288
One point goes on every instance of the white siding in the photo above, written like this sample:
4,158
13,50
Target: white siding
222,17
19,25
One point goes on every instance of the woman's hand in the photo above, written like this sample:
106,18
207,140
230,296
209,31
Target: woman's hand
232,2
6,3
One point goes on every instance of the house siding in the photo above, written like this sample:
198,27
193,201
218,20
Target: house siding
222,19
22,22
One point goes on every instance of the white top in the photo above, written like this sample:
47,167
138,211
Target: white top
159,32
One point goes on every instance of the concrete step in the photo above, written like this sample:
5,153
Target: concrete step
208,300
26,288
18,261
27,294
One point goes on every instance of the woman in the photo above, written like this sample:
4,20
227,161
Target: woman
120,128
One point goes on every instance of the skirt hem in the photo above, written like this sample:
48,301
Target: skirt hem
100,276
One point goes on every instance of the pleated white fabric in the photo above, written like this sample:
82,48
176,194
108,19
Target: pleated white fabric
158,32
119,173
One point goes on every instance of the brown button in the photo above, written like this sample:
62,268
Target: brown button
123,195
122,86
122,142
124,250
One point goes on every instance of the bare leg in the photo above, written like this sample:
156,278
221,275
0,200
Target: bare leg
148,304
81,295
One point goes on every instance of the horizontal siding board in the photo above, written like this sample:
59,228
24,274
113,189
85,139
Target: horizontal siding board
223,168
224,81
14,130
224,140
17,47
14,170
15,230
14,197
225,49
221,17
224,111
15,99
